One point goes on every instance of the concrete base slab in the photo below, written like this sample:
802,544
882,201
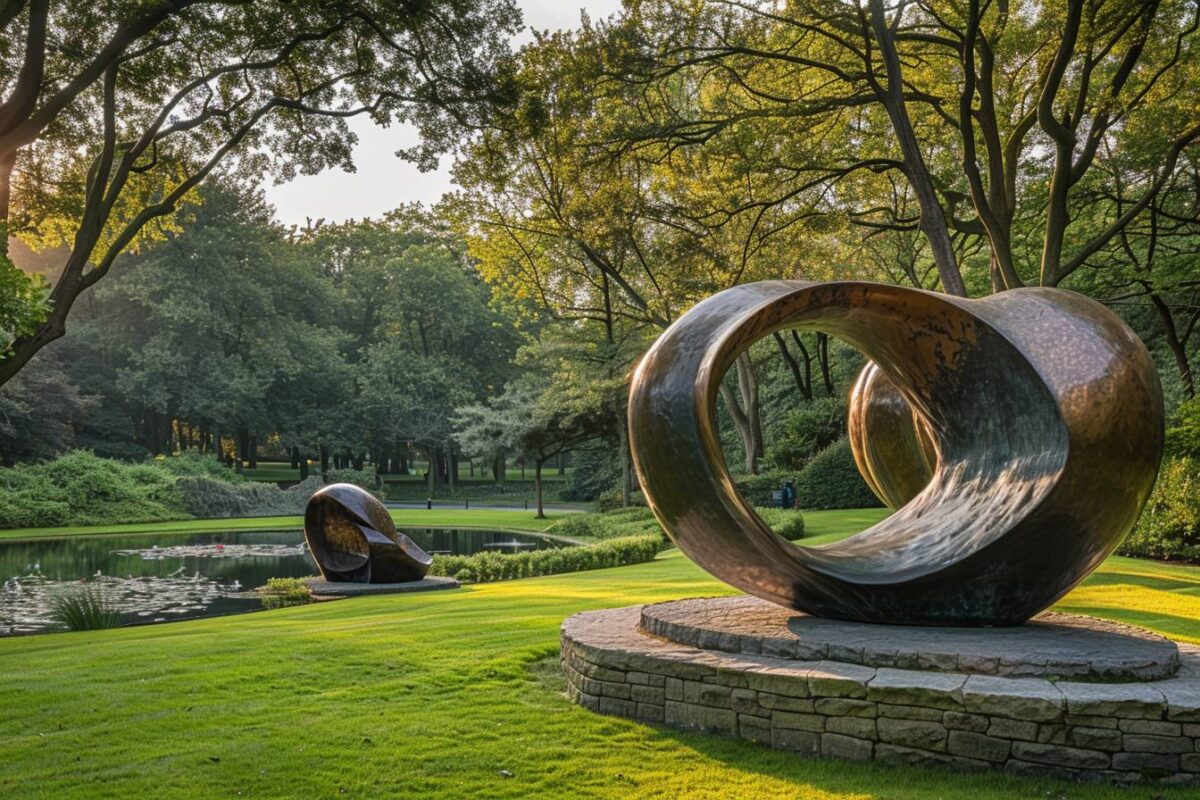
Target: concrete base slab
323,588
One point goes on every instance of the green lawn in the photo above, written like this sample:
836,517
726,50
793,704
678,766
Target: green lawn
283,471
435,695
404,517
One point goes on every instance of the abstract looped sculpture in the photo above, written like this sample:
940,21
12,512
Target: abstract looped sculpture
353,539
1018,436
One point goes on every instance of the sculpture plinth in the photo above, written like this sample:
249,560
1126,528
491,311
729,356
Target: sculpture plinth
669,664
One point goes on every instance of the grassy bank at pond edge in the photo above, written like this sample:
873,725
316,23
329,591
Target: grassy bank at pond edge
404,517
441,695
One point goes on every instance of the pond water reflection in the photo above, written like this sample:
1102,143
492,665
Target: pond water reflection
159,577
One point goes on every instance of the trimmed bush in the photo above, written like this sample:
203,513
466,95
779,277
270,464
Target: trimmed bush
621,522
80,488
488,566
787,522
611,500
831,480
639,521
1169,527
759,489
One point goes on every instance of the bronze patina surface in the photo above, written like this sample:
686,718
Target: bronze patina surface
1019,435
353,539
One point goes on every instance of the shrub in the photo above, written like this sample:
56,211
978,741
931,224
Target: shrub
611,500
489,566
787,522
620,522
194,464
1169,527
80,488
363,478
639,521
206,498
283,592
1183,438
807,430
83,610
831,480
759,489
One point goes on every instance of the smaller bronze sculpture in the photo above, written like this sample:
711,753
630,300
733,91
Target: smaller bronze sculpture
354,540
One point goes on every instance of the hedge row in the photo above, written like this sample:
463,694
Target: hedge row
832,480
639,521
829,480
489,566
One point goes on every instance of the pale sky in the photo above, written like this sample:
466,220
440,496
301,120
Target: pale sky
383,181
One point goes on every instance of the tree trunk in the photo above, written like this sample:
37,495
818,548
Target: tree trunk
933,218
435,469
253,452
304,468
626,471
239,449
324,462
748,387
823,363
451,467
537,488
803,378
742,424
1178,349
295,457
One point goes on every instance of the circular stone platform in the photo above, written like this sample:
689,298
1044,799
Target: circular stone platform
1050,645
823,706
323,588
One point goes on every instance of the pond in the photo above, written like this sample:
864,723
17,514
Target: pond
157,577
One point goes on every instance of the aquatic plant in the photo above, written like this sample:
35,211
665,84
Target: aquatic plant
283,592
83,609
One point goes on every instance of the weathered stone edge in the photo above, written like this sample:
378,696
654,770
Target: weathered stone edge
790,647
1119,732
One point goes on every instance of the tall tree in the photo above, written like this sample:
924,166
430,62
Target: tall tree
113,113
996,114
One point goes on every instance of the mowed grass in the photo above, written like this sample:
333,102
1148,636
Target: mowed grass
445,695
404,517
283,471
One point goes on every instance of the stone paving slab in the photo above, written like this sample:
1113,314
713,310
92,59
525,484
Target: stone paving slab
324,588
1121,732
1050,645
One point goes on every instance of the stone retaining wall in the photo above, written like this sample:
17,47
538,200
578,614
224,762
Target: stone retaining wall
1122,732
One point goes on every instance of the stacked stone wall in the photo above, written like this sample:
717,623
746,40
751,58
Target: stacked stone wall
1031,726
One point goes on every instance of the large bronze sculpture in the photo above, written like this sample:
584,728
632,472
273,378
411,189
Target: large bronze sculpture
353,538
1018,435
